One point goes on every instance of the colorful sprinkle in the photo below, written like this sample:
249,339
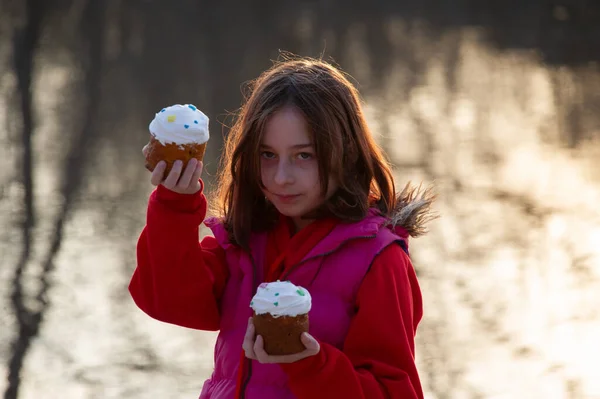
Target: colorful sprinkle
277,294
276,303
251,303
186,126
300,292
163,110
171,118
196,122
192,107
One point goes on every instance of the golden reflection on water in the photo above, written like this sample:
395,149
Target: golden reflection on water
510,273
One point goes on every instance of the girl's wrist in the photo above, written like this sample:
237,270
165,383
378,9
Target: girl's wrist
178,201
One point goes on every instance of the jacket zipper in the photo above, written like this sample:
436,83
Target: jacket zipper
248,361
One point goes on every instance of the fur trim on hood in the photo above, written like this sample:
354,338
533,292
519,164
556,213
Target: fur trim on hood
413,210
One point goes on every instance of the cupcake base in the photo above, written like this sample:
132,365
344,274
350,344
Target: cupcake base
172,152
281,335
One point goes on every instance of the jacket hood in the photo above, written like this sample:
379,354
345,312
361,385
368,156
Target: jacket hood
413,211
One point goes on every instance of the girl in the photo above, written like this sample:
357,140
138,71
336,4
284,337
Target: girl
307,196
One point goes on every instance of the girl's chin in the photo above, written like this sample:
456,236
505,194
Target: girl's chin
289,211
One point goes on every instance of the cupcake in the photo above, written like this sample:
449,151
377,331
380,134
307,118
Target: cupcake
177,132
281,316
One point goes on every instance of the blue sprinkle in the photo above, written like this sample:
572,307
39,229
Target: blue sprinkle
196,122
192,107
277,294
163,110
186,126
276,303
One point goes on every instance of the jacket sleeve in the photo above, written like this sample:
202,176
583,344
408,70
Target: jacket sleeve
178,279
378,359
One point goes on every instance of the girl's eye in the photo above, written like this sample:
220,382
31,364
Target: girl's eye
305,155
267,155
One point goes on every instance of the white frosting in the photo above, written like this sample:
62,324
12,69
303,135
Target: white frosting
180,124
281,298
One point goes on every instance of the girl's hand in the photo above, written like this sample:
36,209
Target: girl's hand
254,348
182,183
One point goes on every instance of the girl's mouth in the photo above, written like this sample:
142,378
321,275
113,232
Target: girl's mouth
286,198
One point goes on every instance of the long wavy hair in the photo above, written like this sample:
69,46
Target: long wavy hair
344,146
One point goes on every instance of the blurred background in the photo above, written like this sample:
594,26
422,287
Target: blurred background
496,102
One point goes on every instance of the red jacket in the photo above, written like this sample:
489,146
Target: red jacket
378,356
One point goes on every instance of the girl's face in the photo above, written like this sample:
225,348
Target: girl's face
289,168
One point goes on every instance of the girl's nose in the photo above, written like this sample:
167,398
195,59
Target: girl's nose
283,174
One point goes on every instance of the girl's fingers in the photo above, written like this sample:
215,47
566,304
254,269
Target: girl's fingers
158,173
186,177
173,176
248,344
198,171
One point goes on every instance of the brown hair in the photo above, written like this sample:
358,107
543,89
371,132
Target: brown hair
344,146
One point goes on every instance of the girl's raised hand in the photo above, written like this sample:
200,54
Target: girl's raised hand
182,183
